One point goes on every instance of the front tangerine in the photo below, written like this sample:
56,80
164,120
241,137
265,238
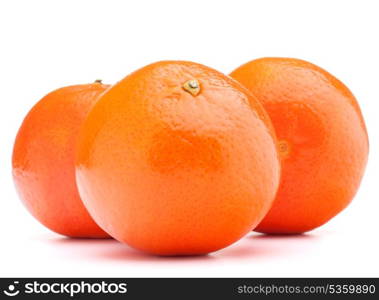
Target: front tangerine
173,160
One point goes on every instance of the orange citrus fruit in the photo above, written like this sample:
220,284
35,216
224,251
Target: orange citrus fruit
173,160
322,140
43,160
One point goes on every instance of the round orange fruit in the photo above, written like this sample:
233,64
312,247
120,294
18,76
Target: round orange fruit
43,160
322,140
173,160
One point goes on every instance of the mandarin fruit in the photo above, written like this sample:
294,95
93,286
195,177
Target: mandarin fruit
173,160
322,140
43,160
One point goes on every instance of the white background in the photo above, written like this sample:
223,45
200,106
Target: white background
49,44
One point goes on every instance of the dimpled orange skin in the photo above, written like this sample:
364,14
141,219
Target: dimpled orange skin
171,172
322,140
43,160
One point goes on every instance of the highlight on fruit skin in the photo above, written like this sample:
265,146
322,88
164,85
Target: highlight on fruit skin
43,160
323,141
173,170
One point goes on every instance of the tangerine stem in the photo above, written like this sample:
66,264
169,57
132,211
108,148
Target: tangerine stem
192,86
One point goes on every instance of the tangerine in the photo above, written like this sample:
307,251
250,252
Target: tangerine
173,160
322,140
43,160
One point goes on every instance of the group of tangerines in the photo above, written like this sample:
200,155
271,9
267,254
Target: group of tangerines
180,159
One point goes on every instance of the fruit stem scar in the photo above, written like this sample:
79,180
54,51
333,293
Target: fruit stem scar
98,81
192,86
283,148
